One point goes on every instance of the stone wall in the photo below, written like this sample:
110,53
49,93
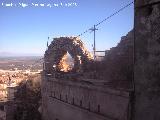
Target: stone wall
70,100
59,47
119,62
147,60
83,95
117,66
2,110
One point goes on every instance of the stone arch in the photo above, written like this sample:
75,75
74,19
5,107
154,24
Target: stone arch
59,47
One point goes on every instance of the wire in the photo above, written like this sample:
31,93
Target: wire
115,13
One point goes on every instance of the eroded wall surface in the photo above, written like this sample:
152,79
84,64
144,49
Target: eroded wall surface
59,47
78,100
147,60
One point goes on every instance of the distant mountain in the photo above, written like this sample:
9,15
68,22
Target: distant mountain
6,54
9,54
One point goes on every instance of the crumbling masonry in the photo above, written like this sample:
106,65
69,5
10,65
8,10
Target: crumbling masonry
106,90
59,48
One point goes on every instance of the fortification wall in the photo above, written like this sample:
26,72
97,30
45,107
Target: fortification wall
147,60
70,100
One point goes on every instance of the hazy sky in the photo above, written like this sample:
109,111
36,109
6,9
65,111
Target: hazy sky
24,31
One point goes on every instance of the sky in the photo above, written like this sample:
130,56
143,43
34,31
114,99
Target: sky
24,30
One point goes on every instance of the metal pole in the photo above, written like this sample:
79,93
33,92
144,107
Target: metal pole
94,45
47,42
94,42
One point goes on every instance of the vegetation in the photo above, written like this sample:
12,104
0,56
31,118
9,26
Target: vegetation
28,98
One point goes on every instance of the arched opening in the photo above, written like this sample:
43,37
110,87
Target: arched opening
66,54
66,64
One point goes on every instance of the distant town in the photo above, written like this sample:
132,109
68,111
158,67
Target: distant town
15,69
13,72
32,63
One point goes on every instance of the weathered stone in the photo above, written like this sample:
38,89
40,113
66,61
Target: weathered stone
86,96
59,48
147,61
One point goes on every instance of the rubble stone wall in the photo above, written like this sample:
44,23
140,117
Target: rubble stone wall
147,60
60,46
